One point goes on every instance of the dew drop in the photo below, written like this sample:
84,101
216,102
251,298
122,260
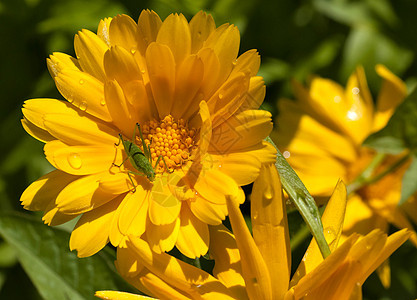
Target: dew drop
133,50
103,102
221,95
286,154
81,81
220,166
352,115
74,160
234,62
355,90
268,193
83,106
330,235
337,99
196,193
70,100
143,71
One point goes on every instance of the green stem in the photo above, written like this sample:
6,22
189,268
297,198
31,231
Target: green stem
366,177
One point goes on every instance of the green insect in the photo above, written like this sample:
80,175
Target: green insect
140,160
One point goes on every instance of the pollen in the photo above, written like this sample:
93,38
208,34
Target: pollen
169,138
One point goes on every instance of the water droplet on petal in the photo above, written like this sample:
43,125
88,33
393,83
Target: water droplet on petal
220,166
234,62
268,193
103,102
355,90
81,81
70,100
143,71
330,235
133,50
83,106
286,154
337,99
74,160
352,115
221,95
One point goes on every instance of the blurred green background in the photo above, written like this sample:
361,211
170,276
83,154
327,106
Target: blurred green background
295,39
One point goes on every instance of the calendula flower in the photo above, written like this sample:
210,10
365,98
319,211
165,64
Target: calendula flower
259,267
160,123
321,135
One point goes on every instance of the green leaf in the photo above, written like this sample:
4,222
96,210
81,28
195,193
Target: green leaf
401,131
56,272
409,183
302,200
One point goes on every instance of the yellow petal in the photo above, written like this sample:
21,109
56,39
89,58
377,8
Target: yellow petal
297,131
40,193
325,270
122,113
254,269
339,286
82,195
214,186
208,212
79,130
162,238
148,27
247,62
35,109
116,183
91,233
116,237
119,64
384,273
175,33
90,50
206,129
393,242
36,132
243,130
127,263
53,217
270,228
188,81
193,237
227,267
164,207
83,91
211,72
81,160
132,219
115,295
225,42
201,26
244,166
179,274
123,32
103,30
161,289
256,93
228,98
161,67
59,61
332,220
391,94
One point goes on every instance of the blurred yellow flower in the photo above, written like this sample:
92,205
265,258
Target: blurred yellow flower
321,136
197,105
259,267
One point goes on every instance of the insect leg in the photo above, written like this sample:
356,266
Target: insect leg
131,180
120,140
121,163
163,159
146,150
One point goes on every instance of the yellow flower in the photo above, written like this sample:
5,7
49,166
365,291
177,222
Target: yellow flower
197,105
321,135
259,267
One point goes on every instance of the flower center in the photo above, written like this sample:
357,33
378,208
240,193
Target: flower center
171,139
